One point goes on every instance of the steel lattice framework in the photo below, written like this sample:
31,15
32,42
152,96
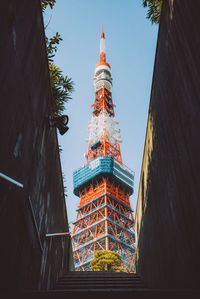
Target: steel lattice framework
104,219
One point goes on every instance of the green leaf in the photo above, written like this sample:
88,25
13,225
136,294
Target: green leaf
154,10
62,86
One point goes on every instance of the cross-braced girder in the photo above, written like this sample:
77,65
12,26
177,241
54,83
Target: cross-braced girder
104,148
95,228
103,100
104,185
105,222
99,214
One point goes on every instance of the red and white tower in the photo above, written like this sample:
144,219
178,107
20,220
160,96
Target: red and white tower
104,219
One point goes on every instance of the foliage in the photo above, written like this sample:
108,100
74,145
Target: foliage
61,89
154,10
62,86
106,260
46,3
51,44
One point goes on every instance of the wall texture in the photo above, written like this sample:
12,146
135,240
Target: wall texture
28,154
167,215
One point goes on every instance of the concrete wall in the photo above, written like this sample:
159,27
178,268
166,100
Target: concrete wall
28,154
168,208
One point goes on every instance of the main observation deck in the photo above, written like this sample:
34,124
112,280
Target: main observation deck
103,165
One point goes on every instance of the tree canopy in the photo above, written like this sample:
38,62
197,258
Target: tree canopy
106,260
154,10
62,86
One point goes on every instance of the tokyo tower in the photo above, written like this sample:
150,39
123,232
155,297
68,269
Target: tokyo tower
104,219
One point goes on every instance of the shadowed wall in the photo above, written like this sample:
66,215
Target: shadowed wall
167,216
28,154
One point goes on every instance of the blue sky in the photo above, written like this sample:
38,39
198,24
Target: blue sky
130,50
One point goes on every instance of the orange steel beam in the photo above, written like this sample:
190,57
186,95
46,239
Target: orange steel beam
123,251
112,245
115,192
100,214
101,101
95,200
105,149
88,252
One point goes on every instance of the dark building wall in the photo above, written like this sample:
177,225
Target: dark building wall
29,154
167,215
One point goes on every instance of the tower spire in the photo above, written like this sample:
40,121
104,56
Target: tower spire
102,33
102,47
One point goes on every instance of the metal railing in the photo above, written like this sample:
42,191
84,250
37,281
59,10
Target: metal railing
7,178
57,234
